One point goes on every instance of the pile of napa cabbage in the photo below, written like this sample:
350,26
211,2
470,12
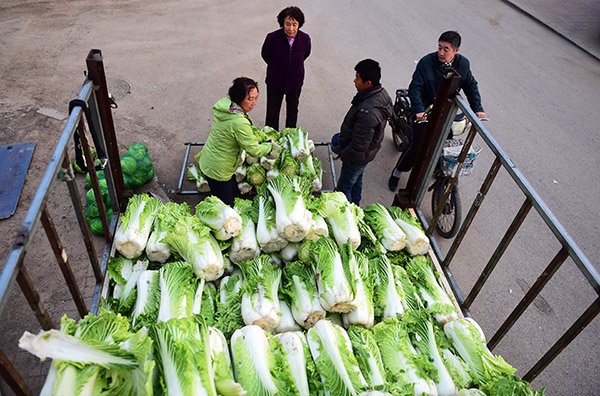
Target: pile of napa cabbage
286,294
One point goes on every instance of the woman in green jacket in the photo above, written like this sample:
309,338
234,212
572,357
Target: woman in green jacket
230,133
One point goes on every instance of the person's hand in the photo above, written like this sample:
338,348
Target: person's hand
421,116
480,115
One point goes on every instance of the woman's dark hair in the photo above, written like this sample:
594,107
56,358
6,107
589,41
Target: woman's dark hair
369,70
241,88
451,37
294,13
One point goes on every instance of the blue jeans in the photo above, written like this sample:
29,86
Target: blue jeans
350,182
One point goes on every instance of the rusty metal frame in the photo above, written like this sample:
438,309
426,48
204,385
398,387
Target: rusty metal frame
569,249
92,103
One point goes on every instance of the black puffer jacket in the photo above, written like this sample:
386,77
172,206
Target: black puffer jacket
363,128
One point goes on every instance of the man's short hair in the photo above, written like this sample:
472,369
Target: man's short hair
240,88
451,37
369,70
292,12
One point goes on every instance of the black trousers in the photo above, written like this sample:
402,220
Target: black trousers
226,191
274,100
407,158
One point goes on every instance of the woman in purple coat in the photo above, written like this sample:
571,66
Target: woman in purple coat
284,51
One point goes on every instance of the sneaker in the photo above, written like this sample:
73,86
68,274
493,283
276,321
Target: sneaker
393,183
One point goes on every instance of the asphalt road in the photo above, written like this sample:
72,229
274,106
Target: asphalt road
171,61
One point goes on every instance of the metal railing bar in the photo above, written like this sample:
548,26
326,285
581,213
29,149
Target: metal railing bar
430,168
564,341
80,215
99,137
33,298
85,144
15,257
582,262
12,377
529,297
63,262
104,264
452,180
485,187
500,249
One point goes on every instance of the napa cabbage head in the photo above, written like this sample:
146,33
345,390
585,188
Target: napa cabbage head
341,217
221,218
136,223
387,231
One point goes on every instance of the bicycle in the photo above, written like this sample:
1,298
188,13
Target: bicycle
402,121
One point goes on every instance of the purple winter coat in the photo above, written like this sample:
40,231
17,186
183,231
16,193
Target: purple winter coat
285,64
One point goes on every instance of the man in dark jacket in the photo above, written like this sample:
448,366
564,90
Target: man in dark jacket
362,130
423,88
284,51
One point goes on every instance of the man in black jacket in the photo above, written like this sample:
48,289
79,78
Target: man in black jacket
423,88
362,130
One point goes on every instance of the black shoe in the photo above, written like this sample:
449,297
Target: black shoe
393,183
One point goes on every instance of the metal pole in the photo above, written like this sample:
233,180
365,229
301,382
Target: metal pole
500,249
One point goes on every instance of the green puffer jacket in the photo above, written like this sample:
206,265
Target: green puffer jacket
230,133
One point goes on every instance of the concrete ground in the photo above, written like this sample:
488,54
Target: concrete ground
169,62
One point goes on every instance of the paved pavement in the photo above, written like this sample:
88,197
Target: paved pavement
576,20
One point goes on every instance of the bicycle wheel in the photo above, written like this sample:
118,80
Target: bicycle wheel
450,217
402,134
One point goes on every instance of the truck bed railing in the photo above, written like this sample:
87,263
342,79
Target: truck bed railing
88,113
444,110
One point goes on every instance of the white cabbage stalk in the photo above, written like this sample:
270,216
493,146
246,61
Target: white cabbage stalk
176,291
197,301
300,286
335,277
293,220
458,369
400,357
267,235
363,314
196,245
267,163
340,216
251,160
312,169
438,301
57,345
368,356
240,172
194,174
319,227
222,219
221,364
245,245
167,216
229,267
385,228
387,294
148,299
287,321
127,298
136,223
260,302
244,187
293,344
331,351
184,351
250,352
226,289
290,252
424,340
298,142
417,242
468,340
272,173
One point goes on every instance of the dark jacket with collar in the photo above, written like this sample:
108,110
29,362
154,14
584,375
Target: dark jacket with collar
285,64
428,76
363,128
